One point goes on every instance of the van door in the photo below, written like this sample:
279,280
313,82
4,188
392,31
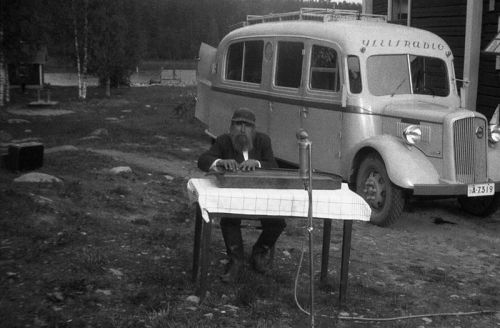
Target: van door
205,69
322,114
286,98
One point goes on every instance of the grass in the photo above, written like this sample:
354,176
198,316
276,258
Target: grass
102,250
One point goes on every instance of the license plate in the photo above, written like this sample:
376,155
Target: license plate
481,189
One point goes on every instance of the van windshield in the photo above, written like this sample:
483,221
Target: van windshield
407,74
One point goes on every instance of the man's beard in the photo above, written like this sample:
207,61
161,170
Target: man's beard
242,142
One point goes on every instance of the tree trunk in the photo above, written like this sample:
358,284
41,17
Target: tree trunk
6,82
3,76
108,87
81,67
85,49
77,50
2,83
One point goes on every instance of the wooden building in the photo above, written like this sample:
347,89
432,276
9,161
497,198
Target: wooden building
468,26
28,69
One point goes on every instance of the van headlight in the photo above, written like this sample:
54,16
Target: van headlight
412,134
494,133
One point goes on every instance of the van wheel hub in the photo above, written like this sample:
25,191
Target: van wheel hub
374,190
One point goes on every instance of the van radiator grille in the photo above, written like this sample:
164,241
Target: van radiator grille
470,150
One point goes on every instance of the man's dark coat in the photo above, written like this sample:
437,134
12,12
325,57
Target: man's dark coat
223,149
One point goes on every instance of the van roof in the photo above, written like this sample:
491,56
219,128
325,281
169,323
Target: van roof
353,36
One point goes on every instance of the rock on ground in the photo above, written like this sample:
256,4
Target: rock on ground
37,178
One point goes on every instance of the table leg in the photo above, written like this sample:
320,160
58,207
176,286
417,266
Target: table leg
205,256
344,269
325,253
197,239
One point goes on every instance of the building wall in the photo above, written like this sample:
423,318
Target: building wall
488,96
447,18
27,74
379,7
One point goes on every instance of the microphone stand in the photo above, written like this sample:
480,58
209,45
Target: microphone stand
305,173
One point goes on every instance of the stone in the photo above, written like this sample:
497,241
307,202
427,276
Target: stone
120,169
60,148
116,272
106,292
193,299
17,121
427,320
36,177
99,132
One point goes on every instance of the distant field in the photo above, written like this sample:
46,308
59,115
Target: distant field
167,64
146,65
166,72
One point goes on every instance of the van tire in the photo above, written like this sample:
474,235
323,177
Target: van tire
480,206
385,198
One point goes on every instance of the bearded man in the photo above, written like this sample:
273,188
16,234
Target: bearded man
245,149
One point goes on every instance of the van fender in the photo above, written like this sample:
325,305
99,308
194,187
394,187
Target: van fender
406,165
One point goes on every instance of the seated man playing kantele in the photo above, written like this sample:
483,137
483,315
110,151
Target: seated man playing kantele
245,149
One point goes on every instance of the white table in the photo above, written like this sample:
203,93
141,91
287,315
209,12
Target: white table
214,202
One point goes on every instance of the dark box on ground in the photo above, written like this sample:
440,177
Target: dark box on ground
276,179
25,156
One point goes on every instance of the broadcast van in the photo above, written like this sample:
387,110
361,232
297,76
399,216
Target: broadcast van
379,101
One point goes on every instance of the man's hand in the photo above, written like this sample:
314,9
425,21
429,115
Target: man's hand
249,165
228,164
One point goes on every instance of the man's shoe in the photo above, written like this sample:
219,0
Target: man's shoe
261,259
233,270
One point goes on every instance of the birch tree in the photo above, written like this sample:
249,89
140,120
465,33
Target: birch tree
81,50
4,80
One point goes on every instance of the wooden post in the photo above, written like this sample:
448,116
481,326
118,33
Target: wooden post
197,241
472,50
344,268
367,7
325,253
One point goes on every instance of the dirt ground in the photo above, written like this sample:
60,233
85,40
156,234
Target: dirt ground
114,250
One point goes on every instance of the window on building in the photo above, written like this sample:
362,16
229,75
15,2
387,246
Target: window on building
494,47
399,11
324,69
244,61
497,65
289,64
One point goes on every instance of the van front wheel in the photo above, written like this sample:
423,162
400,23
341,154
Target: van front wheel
373,184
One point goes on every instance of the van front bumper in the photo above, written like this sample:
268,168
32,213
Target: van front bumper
445,189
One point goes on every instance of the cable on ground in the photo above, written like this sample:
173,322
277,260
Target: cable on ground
365,319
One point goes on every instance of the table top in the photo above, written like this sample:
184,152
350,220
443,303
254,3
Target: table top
340,204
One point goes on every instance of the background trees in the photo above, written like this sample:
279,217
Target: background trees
121,33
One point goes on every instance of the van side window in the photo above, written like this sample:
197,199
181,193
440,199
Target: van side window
355,85
324,69
289,64
244,61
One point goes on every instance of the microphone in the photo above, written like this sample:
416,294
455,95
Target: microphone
304,153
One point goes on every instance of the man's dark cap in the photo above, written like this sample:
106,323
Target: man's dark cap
243,115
